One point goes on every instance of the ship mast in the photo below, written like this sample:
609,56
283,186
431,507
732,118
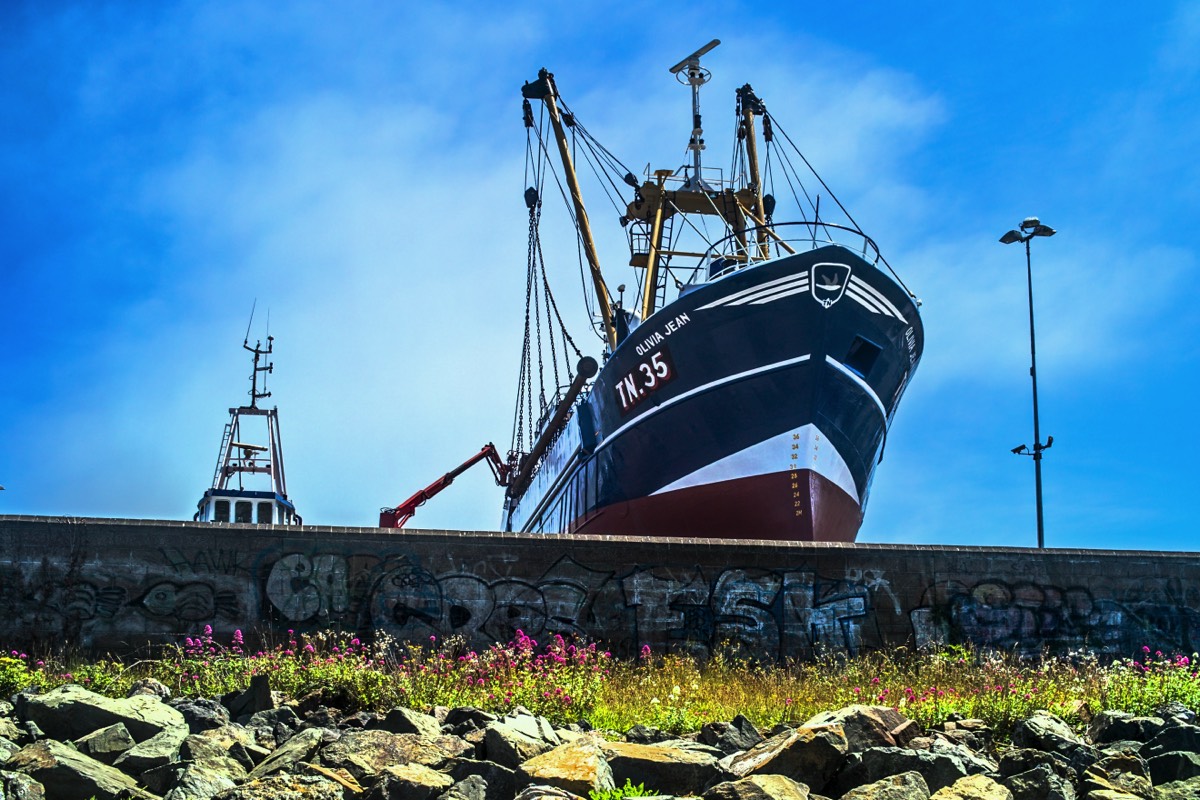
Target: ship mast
696,77
545,90
751,105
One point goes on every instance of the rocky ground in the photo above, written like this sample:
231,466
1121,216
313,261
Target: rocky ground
72,744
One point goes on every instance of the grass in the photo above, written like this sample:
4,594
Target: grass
568,682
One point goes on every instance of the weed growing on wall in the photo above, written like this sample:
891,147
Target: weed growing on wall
568,681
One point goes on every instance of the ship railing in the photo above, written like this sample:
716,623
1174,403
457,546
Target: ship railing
766,242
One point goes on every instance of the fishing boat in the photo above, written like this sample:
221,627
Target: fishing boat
747,388
240,461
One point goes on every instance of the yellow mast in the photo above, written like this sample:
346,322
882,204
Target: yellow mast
544,89
650,285
750,104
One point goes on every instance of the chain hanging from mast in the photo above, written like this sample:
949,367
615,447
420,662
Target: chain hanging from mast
537,395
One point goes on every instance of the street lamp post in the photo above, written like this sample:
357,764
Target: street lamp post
1030,228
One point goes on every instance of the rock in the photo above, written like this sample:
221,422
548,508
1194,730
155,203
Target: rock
1172,767
508,746
359,719
321,717
501,781
693,747
1118,773
208,753
1039,783
905,786
71,711
1178,790
106,744
731,737
1174,738
1112,726
274,717
7,748
405,720
471,788
195,782
578,767
154,752
409,782
866,726
161,780
18,786
299,748
467,718
937,769
256,698
974,764
151,687
9,730
284,787
365,753
759,787
972,733
644,734
811,755
973,787
68,774
1176,714
523,721
663,768
538,793
201,714
349,785
1044,731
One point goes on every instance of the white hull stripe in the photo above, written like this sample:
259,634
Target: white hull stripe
774,293
865,300
815,452
733,299
858,290
801,289
700,390
866,387
867,290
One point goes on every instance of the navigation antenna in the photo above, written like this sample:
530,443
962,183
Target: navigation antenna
695,76
259,352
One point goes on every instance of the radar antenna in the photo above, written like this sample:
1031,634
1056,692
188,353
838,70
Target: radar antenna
695,76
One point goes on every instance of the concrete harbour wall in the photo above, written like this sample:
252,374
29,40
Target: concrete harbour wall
116,585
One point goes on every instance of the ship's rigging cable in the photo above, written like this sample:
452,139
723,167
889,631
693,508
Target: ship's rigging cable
542,315
830,192
547,163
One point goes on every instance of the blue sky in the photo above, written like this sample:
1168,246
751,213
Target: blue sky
356,168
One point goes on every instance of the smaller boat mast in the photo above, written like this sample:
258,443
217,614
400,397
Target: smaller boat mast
224,502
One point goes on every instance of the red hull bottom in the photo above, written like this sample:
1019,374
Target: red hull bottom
799,506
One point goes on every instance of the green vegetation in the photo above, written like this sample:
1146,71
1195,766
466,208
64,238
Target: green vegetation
621,792
567,681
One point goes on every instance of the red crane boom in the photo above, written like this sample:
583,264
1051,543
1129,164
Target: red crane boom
396,517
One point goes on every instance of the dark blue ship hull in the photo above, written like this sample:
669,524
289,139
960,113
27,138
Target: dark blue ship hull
754,406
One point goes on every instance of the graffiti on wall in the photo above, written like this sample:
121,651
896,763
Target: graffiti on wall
1029,617
768,613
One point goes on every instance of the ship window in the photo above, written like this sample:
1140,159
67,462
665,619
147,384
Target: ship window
862,356
264,513
221,511
241,511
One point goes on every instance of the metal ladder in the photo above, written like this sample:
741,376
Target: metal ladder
225,439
